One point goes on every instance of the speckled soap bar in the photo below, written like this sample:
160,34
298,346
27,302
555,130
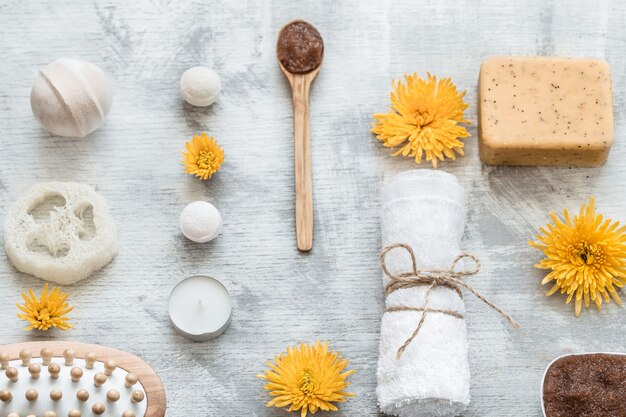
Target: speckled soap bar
545,111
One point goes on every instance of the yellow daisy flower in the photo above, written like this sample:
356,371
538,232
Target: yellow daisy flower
47,311
307,378
586,256
204,157
424,119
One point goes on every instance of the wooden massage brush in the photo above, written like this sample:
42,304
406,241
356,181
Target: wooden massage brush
69,379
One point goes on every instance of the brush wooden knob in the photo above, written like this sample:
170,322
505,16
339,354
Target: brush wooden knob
35,370
25,356
82,395
4,360
109,367
73,413
12,374
130,380
113,396
129,413
54,369
90,360
137,396
99,379
56,394
76,374
6,396
31,394
49,414
98,409
69,355
46,356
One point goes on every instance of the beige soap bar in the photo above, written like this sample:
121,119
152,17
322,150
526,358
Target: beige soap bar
545,111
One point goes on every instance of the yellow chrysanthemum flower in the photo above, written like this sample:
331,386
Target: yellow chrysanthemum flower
47,311
586,256
424,118
204,157
307,378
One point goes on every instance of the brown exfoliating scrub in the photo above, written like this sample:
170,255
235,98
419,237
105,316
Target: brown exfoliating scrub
300,47
590,385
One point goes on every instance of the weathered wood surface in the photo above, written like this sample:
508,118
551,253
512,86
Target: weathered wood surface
282,296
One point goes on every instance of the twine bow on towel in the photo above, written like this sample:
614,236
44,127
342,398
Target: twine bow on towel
450,278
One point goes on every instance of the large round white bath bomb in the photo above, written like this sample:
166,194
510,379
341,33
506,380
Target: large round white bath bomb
200,221
200,86
71,97
60,232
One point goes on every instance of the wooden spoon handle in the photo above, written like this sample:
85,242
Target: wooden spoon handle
304,190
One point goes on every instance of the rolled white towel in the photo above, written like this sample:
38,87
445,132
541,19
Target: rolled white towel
426,210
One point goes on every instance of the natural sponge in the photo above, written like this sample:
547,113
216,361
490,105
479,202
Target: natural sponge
60,232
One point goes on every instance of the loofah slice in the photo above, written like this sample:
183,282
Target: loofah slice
60,232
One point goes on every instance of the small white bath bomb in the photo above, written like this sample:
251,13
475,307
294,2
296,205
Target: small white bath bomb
200,221
200,86
71,97
60,232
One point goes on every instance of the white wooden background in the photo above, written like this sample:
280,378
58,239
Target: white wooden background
282,297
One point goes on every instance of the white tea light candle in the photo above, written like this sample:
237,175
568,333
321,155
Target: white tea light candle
200,308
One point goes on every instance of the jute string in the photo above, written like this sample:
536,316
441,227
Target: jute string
433,278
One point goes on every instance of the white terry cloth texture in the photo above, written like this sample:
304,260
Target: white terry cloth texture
426,210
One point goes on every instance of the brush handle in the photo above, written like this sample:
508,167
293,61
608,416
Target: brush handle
300,86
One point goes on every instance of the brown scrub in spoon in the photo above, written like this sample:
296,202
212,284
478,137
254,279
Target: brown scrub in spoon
590,385
300,47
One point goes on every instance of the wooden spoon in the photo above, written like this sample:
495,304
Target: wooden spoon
300,51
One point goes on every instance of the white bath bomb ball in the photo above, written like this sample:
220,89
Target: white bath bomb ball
200,86
200,221
60,232
71,97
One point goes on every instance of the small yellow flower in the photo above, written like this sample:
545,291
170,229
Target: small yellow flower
47,311
307,378
424,118
204,157
586,256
